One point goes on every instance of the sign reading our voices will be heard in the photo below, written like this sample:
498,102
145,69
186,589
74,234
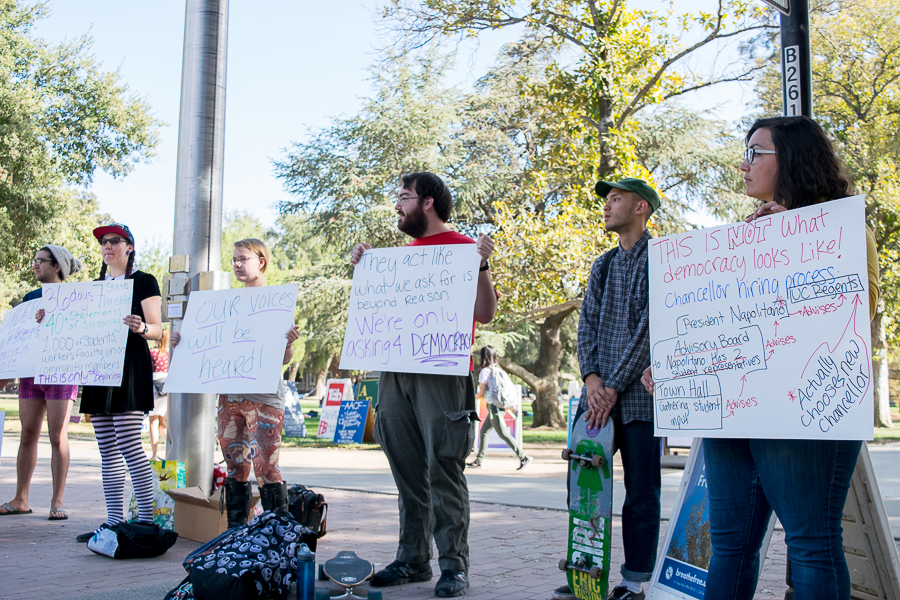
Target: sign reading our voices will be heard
411,310
761,330
233,341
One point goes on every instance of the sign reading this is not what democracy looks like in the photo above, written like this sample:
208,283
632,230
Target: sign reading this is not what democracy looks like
83,333
761,329
19,346
411,310
233,341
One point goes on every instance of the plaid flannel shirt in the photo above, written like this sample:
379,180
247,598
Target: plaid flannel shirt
614,330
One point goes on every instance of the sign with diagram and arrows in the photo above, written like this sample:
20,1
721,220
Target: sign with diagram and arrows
761,329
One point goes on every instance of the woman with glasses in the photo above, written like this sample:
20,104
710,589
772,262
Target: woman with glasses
250,425
117,412
789,164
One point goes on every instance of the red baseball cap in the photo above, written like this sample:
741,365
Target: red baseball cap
119,228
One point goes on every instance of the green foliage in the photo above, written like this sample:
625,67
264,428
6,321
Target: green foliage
61,119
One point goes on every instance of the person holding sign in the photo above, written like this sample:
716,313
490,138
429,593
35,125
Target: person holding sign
52,264
250,425
424,421
487,383
789,163
117,412
613,351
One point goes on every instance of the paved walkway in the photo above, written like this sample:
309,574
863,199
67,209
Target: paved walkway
514,553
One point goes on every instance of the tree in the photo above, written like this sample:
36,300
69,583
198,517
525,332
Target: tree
573,125
61,119
856,99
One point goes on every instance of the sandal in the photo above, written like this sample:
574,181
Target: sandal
11,510
58,513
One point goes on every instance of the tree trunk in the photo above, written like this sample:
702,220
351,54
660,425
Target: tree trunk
292,373
543,374
880,370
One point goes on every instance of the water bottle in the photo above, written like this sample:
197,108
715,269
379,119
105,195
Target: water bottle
306,573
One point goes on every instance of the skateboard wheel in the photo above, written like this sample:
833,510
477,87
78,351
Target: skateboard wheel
596,461
563,564
374,595
322,575
566,453
595,572
323,594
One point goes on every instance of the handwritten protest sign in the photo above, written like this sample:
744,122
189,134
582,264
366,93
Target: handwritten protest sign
411,310
351,422
83,333
761,330
232,341
19,346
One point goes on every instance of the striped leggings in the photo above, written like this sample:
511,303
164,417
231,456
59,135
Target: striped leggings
119,435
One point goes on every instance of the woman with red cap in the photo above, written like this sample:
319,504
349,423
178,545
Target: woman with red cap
117,412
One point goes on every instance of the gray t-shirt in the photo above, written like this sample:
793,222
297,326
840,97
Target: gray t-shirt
275,400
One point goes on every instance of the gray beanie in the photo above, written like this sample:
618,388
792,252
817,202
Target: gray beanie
68,264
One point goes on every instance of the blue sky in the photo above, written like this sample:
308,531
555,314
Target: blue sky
292,66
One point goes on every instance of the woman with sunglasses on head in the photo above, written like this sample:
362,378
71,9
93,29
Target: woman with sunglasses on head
250,425
117,412
789,164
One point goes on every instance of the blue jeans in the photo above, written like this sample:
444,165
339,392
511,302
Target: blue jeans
805,482
640,453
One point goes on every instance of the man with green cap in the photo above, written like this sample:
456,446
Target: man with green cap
613,351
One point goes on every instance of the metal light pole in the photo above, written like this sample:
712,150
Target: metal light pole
796,70
198,213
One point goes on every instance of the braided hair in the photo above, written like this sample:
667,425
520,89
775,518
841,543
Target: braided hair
128,267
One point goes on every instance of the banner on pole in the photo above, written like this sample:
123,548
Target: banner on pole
761,330
83,333
411,310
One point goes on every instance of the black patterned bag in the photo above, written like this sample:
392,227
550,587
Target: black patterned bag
254,561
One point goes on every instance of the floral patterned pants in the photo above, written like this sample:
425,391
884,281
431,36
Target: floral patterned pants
250,433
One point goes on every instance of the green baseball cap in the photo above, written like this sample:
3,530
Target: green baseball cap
630,184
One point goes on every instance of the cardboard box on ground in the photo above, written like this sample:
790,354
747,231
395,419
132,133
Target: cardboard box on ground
201,518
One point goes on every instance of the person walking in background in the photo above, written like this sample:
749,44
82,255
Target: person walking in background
613,351
159,358
250,425
415,412
52,264
117,412
487,388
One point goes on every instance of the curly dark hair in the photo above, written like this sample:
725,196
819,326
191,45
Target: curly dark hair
429,185
809,172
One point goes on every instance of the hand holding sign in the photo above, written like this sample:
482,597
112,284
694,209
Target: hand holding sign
411,309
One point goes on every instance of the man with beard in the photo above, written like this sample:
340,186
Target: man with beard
424,422
613,351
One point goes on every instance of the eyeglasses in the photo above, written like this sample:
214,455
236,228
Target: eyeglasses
39,261
404,199
237,262
114,241
750,154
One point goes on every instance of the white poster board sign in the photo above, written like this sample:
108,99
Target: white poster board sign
232,341
411,310
761,330
19,334
83,333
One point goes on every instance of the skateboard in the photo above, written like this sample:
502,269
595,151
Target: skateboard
590,510
348,571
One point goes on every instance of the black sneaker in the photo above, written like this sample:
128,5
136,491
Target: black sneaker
398,573
563,593
623,593
451,584
475,464
526,460
82,538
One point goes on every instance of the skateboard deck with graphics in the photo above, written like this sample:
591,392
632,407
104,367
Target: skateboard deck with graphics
590,510
349,571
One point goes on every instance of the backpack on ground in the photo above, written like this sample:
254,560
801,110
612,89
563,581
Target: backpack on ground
132,540
502,392
310,509
254,561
